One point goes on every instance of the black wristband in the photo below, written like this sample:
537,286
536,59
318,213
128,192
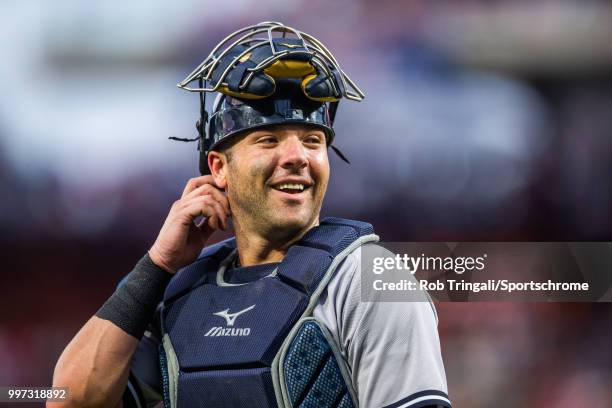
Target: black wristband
133,304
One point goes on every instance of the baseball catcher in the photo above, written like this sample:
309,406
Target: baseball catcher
271,317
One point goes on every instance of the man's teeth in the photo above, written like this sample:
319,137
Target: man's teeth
288,186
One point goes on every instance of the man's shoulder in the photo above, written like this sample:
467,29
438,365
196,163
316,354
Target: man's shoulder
354,259
348,276
354,276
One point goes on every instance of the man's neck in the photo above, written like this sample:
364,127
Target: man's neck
255,248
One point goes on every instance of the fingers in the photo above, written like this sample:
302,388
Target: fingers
180,240
205,185
202,197
196,182
204,205
208,189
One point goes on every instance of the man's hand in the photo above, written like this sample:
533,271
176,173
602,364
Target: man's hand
180,240
95,365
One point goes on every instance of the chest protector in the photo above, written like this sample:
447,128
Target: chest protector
256,344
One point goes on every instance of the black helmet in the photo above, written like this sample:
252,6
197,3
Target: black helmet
267,74
232,116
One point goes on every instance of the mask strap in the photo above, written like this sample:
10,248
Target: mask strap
340,154
203,144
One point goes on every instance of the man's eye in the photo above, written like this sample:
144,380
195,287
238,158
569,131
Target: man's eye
313,139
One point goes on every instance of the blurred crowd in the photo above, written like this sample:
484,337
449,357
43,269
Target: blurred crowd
483,121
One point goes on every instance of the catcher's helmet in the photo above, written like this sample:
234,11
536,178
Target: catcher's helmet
267,74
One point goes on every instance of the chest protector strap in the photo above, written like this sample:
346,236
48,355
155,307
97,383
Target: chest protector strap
255,344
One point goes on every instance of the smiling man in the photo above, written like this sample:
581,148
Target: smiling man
271,317
275,180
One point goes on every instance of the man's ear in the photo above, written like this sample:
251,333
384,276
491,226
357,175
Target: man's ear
217,163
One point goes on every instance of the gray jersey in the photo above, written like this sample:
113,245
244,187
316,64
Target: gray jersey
391,349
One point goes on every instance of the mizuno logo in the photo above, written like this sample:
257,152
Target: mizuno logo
230,318
226,331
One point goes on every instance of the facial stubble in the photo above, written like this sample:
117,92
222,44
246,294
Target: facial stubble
251,202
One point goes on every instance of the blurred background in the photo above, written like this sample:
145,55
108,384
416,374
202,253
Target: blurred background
483,121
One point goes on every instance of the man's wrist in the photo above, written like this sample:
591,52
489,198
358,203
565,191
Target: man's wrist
133,304
156,259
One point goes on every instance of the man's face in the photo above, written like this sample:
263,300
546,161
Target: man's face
277,178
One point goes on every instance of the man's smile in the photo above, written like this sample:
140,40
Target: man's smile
292,186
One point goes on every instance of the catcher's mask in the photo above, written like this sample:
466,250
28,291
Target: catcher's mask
267,74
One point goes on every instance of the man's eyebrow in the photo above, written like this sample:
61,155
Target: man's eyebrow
261,132
280,131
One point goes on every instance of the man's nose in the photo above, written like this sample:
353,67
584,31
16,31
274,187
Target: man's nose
293,153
